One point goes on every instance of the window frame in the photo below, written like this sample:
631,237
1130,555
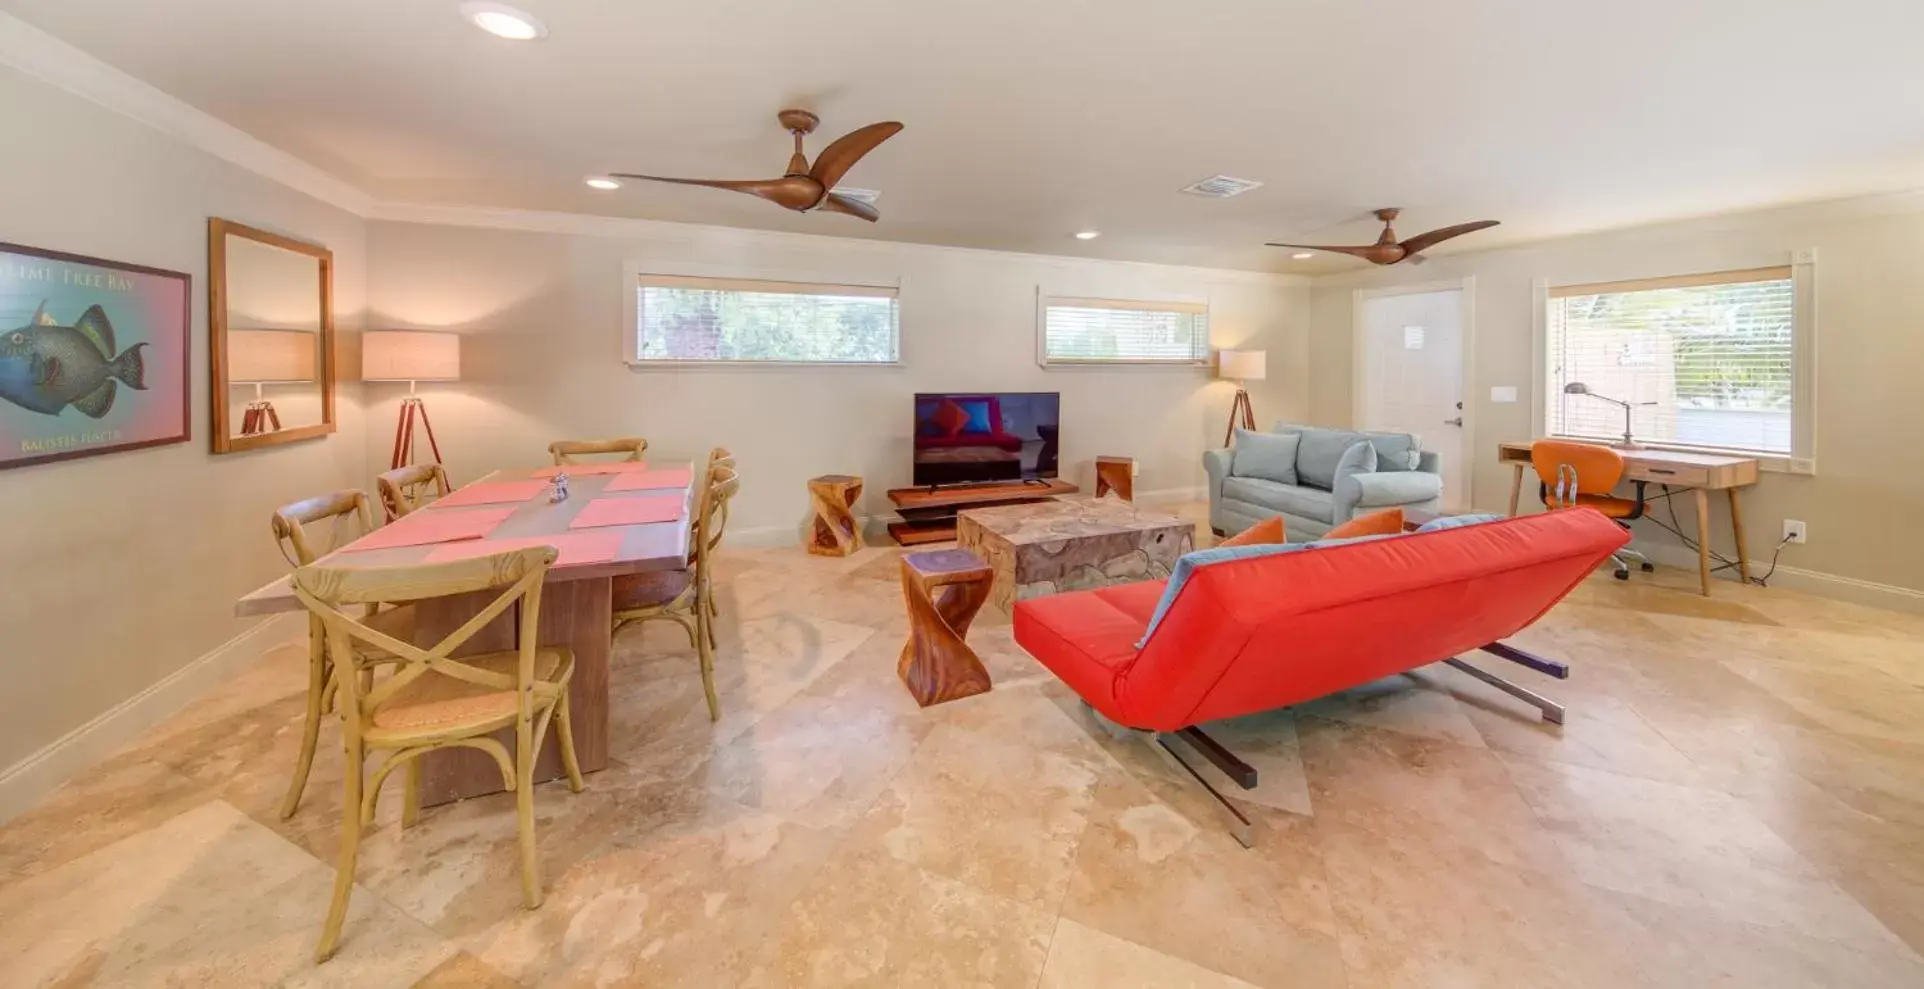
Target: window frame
1802,458
1173,303
634,271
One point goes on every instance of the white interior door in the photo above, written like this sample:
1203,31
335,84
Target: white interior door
1410,354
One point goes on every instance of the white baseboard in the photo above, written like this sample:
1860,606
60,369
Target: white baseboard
1830,585
27,782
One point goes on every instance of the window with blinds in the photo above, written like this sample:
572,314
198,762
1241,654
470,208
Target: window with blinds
1703,360
738,320
1109,331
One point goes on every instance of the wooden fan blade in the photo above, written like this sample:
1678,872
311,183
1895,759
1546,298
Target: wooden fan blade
836,159
1358,251
796,192
837,203
1423,242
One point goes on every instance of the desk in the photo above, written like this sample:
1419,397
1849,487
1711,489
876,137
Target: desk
577,611
1699,473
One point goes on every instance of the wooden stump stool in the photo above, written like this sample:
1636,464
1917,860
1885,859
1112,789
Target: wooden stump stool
1116,474
944,589
834,532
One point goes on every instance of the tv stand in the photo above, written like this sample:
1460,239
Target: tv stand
928,513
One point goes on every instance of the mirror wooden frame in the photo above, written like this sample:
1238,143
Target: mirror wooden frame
218,231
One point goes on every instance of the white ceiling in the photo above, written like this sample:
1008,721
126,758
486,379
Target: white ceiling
1031,119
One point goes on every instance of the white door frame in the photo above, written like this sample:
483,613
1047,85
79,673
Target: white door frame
1359,377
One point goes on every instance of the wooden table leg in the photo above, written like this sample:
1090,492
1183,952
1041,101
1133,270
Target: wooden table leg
578,614
1703,537
1737,529
943,590
1516,486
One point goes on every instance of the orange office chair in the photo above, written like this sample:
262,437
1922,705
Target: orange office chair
1572,474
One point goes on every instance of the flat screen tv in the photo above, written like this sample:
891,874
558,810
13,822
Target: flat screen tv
984,437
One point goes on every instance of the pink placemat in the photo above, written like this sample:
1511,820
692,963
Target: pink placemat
577,548
423,528
492,493
667,477
627,511
618,467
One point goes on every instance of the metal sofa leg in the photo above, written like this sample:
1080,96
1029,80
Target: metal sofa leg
1552,711
1240,827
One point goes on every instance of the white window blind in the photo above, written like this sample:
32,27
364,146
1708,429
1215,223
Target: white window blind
739,320
1109,331
1704,360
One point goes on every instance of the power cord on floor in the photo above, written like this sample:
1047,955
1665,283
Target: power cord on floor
1675,528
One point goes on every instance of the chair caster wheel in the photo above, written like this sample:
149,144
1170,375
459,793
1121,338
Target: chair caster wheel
1620,574
1649,568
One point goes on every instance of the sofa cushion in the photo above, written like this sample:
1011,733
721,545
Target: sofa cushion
1137,600
1082,638
1270,456
1293,499
1317,454
1270,530
1443,522
1359,458
1395,451
1186,567
1385,522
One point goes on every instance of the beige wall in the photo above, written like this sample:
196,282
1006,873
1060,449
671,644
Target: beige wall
1864,506
123,568
541,317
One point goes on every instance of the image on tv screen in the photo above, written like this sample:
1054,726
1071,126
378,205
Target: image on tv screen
975,438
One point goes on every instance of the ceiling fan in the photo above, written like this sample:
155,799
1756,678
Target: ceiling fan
1387,250
806,187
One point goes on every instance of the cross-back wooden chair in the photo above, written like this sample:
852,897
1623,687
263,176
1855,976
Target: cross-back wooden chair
436,700
296,531
685,595
717,457
565,451
405,489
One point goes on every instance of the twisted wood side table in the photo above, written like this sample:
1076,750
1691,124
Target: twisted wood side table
943,589
834,531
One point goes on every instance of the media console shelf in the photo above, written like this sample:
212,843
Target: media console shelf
929,516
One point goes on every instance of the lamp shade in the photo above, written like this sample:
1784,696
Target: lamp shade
267,356
1241,365
410,355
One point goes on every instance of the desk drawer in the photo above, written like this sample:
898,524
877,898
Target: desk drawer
1679,474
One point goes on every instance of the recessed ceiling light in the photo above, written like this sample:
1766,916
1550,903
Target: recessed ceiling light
1299,255
504,21
599,182
1088,234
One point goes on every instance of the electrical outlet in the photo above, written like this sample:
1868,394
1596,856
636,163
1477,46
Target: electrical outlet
1793,531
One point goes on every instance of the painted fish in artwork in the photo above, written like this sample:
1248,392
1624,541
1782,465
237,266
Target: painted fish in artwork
45,367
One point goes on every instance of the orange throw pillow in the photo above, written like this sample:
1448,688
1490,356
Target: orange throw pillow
1264,532
1387,522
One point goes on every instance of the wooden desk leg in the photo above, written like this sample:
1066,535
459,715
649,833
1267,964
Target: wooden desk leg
576,613
1703,537
1737,529
1516,486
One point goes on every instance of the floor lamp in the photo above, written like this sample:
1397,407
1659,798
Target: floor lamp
412,356
1241,366
269,357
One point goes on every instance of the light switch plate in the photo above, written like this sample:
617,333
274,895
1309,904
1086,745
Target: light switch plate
1502,394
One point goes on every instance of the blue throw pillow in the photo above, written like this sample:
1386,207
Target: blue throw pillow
978,410
1457,521
1269,456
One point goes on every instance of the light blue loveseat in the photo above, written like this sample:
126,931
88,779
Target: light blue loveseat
1317,478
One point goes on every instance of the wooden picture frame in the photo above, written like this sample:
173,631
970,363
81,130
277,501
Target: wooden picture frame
141,313
218,354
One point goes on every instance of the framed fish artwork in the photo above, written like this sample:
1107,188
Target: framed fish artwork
93,356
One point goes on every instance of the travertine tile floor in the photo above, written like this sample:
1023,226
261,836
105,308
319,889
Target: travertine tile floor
1737,800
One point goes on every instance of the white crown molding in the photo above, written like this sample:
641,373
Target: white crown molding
671,231
52,60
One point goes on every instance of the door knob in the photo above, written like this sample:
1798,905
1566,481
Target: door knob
1458,421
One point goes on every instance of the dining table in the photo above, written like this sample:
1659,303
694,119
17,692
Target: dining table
576,599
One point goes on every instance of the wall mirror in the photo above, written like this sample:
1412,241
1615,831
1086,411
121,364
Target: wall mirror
270,322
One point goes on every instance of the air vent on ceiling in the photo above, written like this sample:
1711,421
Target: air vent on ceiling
864,195
1221,187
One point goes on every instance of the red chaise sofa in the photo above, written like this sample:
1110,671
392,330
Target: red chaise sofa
1255,634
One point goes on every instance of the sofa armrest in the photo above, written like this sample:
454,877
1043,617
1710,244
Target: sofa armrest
1216,464
1384,489
1429,462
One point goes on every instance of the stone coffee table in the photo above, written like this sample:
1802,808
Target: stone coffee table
1055,546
